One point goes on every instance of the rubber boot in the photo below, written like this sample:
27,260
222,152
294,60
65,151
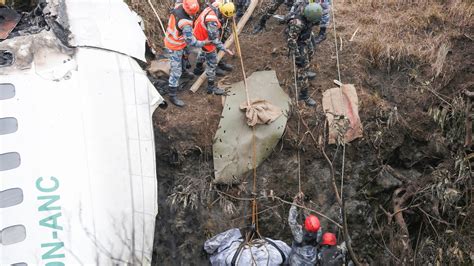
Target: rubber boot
311,75
224,66
220,72
173,92
260,25
321,36
213,89
305,97
186,74
199,69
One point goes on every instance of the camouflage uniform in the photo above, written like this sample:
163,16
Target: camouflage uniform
211,57
176,57
300,44
241,5
303,249
270,9
331,256
325,4
294,5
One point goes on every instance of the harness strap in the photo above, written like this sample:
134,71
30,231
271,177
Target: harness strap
237,253
283,257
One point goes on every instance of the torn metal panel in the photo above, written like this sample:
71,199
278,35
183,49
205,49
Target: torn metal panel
339,103
232,149
9,18
106,24
6,58
42,52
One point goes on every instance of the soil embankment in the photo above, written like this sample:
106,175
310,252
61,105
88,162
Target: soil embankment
408,181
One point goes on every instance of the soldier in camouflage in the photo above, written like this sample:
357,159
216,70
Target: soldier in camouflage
207,27
268,11
305,237
300,44
293,5
179,35
241,5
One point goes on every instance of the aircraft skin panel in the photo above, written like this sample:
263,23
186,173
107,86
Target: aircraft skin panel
107,25
87,171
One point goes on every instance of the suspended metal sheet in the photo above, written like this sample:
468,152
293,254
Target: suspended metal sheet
232,149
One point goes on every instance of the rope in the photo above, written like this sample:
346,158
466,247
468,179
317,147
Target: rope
254,140
344,218
342,98
157,16
239,52
298,123
335,41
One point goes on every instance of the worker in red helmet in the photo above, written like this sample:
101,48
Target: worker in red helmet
179,35
305,238
330,254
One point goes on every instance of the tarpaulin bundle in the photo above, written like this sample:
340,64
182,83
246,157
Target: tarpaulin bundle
231,248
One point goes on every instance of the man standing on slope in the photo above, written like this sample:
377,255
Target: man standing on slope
179,34
270,10
207,27
305,238
300,45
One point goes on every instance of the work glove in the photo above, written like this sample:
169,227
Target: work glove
298,199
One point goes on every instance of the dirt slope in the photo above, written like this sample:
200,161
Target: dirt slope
410,64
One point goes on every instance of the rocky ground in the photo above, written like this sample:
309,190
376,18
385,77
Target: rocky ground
407,182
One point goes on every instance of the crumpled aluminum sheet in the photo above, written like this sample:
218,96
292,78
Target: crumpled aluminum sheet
232,149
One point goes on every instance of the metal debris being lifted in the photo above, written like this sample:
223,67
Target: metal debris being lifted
232,149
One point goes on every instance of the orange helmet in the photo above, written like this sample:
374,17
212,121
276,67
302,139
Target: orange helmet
329,239
311,224
191,6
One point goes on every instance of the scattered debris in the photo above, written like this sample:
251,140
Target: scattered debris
341,106
9,18
6,58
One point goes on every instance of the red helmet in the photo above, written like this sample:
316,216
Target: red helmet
329,239
311,224
191,6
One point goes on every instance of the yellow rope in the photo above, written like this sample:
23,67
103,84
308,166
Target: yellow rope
254,141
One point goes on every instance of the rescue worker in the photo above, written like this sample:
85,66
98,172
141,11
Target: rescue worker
325,19
179,35
330,254
207,27
242,5
185,65
300,45
275,4
305,238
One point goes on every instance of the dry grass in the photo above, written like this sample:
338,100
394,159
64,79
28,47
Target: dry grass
153,30
395,33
